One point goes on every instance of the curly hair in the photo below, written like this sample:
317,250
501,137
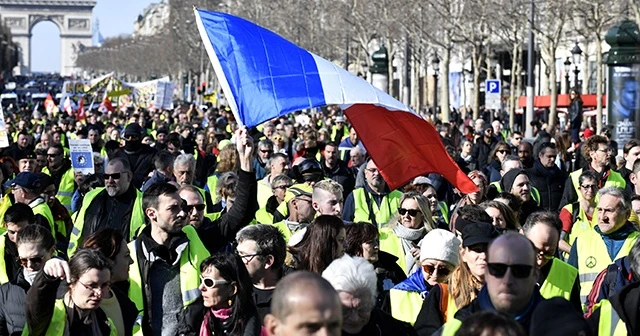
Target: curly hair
228,160
591,145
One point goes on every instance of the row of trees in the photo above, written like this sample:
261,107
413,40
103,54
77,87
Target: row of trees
468,30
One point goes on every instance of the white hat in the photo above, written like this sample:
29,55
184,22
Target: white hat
339,119
422,180
440,245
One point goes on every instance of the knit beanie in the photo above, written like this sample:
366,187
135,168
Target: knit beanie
509,177
440,245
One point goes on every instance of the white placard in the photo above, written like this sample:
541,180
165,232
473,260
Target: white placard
81,156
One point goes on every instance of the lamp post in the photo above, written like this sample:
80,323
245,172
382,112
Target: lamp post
576,53
567,69
435,64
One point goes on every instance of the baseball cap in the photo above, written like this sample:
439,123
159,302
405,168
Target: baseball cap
339,119
26,154
26,180
298,190
478,233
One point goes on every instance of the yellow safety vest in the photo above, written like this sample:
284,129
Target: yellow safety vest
264,217
610,322
286,232
264,193
613,180
405,305
444,210
388,206
535,193
59,321
390,243
582,224
559,281
44,210
451,327
4,278
136,224
190,260
212,182
5,204
334,132
66,187
593,258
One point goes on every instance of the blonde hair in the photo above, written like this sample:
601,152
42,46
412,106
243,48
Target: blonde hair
464,286
423,205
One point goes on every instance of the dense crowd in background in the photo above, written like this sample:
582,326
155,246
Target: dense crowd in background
195,225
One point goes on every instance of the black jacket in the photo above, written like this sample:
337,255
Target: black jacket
10,262
575,113
381,323
105,211
627,304
550,184
219,233
40,303
341,174
430,318
389,274
141,163
12,305
481,150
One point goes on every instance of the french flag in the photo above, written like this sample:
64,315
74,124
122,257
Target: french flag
265,76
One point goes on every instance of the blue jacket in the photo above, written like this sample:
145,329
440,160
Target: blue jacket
414,283
157,177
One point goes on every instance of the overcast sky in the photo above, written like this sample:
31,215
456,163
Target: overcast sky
116,17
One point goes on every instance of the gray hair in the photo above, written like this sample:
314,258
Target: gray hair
265,143
352,275
185,159
281,178
507,159
625,201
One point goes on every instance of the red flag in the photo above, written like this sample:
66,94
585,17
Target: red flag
49,104
81,116
404,146
106,105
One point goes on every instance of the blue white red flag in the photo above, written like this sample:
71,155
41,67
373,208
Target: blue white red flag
265,76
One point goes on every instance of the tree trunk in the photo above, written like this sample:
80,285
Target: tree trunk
475,58
599,83
553,109
513,93
444,84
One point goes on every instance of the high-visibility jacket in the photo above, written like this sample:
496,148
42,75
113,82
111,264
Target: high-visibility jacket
444,210
4,278
382,214
41,208
66,187
263,216
190,260
264,193
59,321
5,204
391,243
286,232
610,322
613,180
334,132
559,281
535,193
581,224
593,258
405,305
212,182
451,327
136,223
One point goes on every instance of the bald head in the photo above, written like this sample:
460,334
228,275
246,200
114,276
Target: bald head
304,302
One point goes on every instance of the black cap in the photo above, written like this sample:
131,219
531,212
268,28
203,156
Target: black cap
133,129
478,233
510,177
25,154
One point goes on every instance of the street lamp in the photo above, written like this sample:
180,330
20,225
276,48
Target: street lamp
576,53
435,64
567,69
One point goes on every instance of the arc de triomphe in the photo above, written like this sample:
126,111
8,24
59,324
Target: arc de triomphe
73,18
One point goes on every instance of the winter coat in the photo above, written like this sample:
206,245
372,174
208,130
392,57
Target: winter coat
550,184
12,305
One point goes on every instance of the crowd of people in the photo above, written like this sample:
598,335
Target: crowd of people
193,225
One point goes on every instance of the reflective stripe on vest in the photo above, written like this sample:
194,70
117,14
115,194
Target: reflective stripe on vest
66,189
451,327
613,180
59,321
44,210
610,323
559,281
4,278
136,224
190,260
391,244
405,306
593,257
388,206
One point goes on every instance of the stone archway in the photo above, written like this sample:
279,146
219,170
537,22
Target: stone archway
73,18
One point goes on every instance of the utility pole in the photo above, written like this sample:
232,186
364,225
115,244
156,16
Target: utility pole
530,75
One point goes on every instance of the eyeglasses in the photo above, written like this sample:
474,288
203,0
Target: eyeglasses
372,170
115,176
266,150
541,254
198,207
502,151
498,270
284,186
412,212
34,261
210,283
53,155
97,289
606,150
592,187
248,257
442,270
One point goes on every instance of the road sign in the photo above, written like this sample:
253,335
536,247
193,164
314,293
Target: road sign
493,94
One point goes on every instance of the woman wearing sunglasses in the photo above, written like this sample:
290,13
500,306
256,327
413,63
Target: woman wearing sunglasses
35,246
402,234
227,293
496,157
577,217
65,298
438,258
465,282
115,303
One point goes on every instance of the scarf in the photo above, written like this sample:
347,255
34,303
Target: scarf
220,314
408,237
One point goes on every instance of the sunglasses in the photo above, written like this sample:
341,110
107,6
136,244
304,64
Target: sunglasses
198,207
430,269
498,270
412,212
115,176
53,155
266,151
34,261
284,186
502,151
592,187
210,283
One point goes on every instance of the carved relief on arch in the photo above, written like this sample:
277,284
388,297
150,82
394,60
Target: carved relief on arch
15,22
57,19
79,24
